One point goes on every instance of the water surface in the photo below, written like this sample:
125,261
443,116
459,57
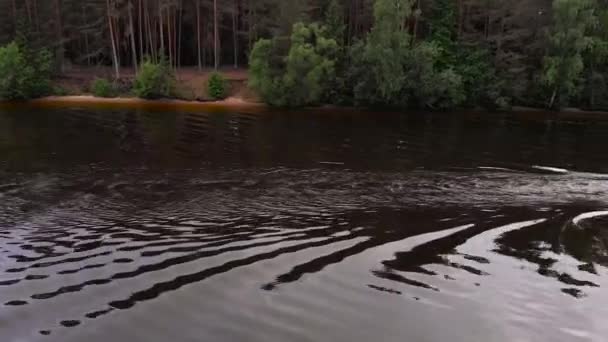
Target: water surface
127,225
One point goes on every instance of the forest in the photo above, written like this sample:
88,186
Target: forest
433,54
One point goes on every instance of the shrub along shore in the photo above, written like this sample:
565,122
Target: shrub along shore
388,67
26,74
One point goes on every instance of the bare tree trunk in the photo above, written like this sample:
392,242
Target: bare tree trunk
179,34
169,38
116,23
15,24
160,27
114,53
350,24
155,35
487,20
204,34
132,34
216,58
255,25
36,16
416,19
234,34
460,17
501,37
592,86
198,34
86,34
150,33
356,18
249,26
140,23
28,9
552,100
59,34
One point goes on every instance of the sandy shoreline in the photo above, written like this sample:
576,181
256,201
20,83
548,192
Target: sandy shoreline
133,102
237,103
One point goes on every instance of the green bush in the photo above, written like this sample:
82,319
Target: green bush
154,80
480,81
216,86
431,86
266,68
24,74
103,88
60,91
299,75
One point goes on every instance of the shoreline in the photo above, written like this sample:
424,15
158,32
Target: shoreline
134,102
238,103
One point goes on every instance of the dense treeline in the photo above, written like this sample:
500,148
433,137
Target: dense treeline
407,53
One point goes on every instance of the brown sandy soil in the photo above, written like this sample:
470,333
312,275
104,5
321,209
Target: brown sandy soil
191,83
230,103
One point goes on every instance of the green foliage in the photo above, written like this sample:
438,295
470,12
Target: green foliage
154,80
24,73
492,52
563,66
101,87
338,92
378,65
264,75
60,91
310,64
480,82
334,20
596,64
216,86
430,86
443,25
300,78
387,69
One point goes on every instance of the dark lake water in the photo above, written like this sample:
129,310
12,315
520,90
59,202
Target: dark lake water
153,226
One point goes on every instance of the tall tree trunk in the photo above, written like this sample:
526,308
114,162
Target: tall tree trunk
255,25
141,31
249,25
86,35
169,36
460,17
36,16
160,29
198,34
416,20
234,34
113,42
487,20
204,33
179,34
553,97
591,85
132,34
28,9
148,32
349,26
59,35
501,38
216,55
15,24
116,24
